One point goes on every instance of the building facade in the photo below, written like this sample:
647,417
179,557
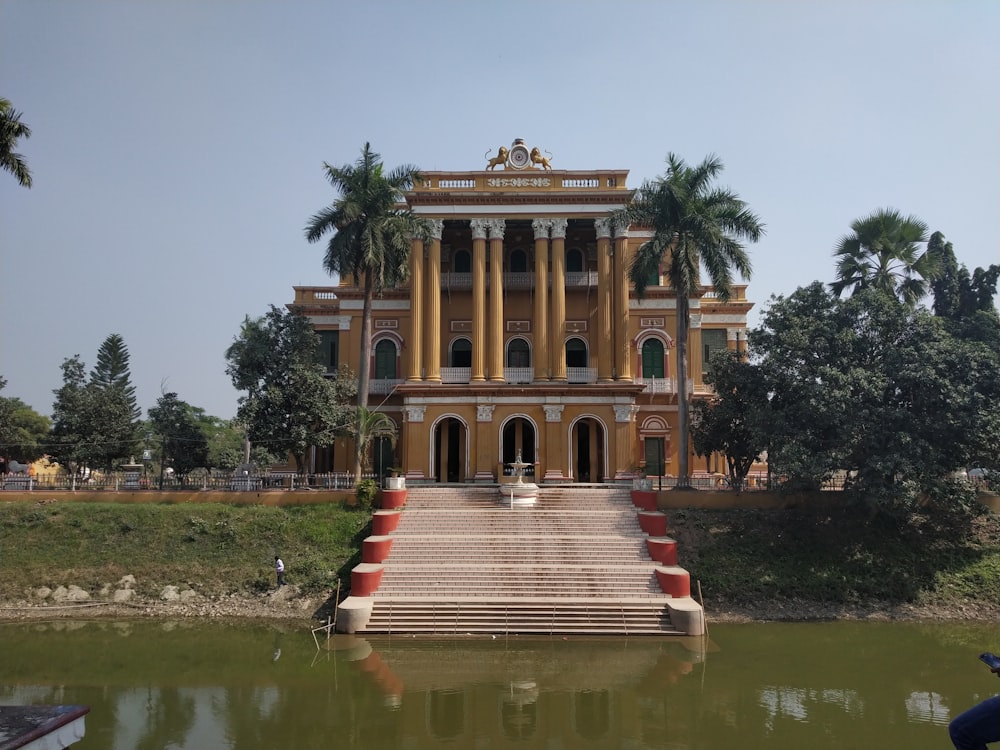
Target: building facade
518,333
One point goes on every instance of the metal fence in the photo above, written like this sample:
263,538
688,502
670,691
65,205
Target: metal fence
197,481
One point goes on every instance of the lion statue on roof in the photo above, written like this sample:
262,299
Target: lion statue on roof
537,158
499,160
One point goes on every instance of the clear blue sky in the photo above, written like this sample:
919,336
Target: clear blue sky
177,147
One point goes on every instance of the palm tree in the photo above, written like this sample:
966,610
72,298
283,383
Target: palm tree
694,224
371,425
11,128
370,239
883,253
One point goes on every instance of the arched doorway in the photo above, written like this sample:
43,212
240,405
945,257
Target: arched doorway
449,460
588,453
518,435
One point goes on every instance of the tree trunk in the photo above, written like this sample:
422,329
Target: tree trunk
364,369
683,402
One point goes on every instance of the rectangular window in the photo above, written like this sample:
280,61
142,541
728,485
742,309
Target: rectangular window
329,350
712,340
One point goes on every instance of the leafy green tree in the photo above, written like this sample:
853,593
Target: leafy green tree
290,404
965,299
11,130
733,421
183,445
867,386
23,431
883,252
71,412
695,224
226,444
370,239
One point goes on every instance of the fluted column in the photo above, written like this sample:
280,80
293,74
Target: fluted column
623,364
415,345
540,325
605,360
624,450
495,356
478,300
432,348
558,344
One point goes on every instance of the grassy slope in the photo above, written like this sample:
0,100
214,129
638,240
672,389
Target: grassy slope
740,557
215,549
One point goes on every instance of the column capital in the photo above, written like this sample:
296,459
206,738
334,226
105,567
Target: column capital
553,412
620,229
478,227
603,227
541,228
435,227
559,228
496,227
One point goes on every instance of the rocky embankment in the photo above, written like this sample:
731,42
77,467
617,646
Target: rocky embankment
123,600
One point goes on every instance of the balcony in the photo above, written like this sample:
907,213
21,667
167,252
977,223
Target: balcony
383,386
657,385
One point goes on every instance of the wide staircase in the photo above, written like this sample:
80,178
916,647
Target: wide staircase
461,561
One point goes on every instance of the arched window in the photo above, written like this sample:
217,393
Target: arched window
652,359
461,353
574,260
385,359
576,353
518,261
462,262
518,354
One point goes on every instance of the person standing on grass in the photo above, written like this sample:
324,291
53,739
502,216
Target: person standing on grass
979,725
279,568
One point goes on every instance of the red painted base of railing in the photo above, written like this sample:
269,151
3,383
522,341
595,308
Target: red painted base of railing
365,579
653,523
385,522
375,549
674,581
393,499
644,499
662,549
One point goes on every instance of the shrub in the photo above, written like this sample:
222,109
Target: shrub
364,493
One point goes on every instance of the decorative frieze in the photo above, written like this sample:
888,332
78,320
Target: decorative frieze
518,326
484,412
414,413
652,322
461,326
386,323
576,326
518,182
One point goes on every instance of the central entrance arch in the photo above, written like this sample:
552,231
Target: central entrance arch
518,434
450,449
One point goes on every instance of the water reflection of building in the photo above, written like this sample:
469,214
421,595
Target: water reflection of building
532,691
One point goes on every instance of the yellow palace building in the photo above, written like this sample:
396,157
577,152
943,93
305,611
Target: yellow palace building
519,333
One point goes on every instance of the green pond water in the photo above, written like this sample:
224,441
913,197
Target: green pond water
253,686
